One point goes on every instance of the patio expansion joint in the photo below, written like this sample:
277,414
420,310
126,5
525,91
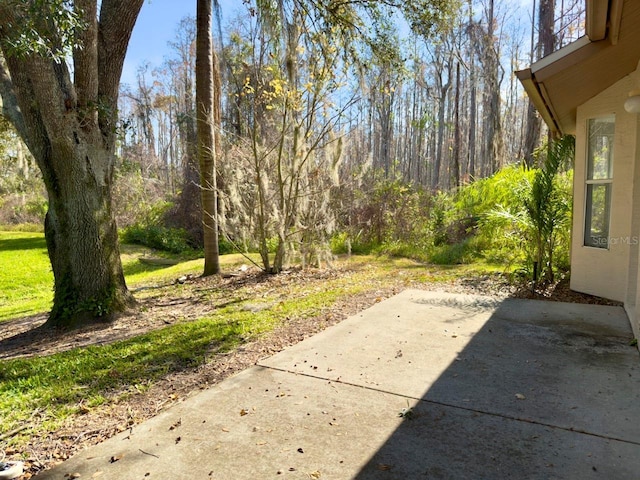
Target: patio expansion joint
457,407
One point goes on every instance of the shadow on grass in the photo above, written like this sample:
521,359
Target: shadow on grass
12,244
102,370
38,337
136,267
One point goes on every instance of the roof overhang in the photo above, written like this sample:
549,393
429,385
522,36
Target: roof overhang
558,83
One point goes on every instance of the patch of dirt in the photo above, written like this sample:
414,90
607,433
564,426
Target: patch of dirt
163,305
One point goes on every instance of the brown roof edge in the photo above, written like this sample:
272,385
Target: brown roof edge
596,22
531,86
562,81
615,17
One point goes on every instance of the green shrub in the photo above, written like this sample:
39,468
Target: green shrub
272,244
486,219
455,254
406,250
150,232
173,240
344,243
480,219
137,198
18,208
489,219
340,243
37,207
224,246
23,227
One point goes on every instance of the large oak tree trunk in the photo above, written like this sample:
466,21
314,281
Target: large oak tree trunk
80,230
70,128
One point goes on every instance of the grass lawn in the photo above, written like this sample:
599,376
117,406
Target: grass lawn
26,280
62,385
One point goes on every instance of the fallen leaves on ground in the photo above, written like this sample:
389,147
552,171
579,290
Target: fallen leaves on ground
162,305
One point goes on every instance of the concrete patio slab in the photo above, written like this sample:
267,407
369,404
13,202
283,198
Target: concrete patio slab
572,362
487,389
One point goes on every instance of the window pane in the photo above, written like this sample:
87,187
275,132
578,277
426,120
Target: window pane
596,232
600,154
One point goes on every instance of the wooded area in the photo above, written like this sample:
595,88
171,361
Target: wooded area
393,96
316,108
306,112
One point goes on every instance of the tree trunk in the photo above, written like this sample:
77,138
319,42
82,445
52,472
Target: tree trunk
70,128
492,145
532,135
187,212
439,153
545,46
455,168
206,138
81,234
471,169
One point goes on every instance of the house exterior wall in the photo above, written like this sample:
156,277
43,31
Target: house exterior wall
610,272
632,301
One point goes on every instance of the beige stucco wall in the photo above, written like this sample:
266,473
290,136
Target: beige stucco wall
607,272
632,302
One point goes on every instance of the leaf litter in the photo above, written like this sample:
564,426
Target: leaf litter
163,305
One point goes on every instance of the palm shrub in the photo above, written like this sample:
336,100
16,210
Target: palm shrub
534,227
518,216
548,206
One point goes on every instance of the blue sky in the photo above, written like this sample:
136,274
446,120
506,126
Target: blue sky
156,26
158,20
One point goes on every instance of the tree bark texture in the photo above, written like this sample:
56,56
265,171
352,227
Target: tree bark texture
205,90
545,46
70,128
455,167
187,212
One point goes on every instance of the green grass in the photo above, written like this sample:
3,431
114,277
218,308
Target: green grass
64,384
26,280
58,384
